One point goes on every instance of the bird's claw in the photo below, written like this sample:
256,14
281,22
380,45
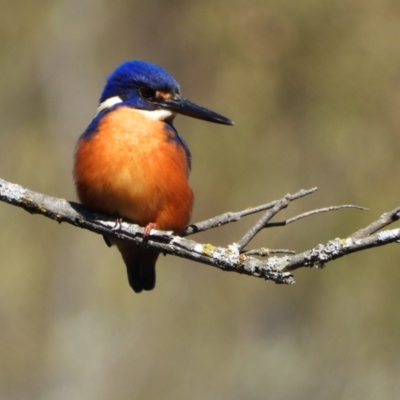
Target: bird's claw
118,224
148,228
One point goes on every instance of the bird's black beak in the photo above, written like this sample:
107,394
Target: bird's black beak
183,106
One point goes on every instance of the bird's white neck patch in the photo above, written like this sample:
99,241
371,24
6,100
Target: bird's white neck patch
155,115
112,101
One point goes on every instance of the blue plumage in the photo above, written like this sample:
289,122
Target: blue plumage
132,78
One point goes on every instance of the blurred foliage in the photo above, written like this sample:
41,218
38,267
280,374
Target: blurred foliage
314,89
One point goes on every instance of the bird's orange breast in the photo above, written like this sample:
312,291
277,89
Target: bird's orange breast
133,167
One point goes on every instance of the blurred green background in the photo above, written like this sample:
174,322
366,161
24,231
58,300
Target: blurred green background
314,89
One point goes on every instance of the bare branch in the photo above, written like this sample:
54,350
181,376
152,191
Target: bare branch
225,258
385,220
264,252
313,212
281,204
229,258
334,249
228,217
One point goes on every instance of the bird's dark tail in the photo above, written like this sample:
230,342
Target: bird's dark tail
140,266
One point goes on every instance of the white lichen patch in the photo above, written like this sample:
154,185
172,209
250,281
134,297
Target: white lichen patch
277,263
198,248
388,235
333,247
347,242
227,256
234,249
13,190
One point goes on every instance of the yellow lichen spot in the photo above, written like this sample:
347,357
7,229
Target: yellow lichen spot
208,249
26,200
57,217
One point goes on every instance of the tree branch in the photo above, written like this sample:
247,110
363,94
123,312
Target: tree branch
228,217
229,258
313,212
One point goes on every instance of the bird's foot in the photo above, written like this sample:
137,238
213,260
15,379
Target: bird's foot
118,224
148,228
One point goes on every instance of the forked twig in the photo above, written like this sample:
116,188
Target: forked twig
228,217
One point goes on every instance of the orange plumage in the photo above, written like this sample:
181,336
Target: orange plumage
133,168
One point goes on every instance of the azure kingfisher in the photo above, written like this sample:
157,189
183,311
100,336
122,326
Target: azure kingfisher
132,163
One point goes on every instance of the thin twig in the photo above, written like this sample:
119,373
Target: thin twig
313,212
228,217
384,220
264,252
281,204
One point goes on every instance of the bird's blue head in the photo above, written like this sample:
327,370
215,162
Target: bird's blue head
137,82
152,90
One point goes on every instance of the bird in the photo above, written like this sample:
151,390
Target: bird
131,162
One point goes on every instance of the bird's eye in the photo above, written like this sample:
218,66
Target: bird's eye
147,93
